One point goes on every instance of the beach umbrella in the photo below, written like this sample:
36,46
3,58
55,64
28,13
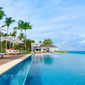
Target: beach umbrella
13,40
1,29
8,38
16,40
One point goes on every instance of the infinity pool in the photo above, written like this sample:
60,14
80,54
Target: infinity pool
47,69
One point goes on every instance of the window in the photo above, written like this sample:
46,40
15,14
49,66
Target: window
36,49
39,49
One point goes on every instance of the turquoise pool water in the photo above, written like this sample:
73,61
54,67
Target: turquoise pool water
17,74
47,69
63,69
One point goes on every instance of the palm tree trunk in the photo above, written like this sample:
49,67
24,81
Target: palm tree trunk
7,35
21,30
25,40
7,30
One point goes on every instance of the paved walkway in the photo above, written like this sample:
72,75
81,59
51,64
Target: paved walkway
11,60
8,58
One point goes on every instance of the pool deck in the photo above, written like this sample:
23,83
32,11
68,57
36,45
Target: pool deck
8,61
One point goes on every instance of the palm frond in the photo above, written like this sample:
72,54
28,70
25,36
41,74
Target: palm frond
16,28
3,25
2,14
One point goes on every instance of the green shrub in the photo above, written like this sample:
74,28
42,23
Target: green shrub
60,51
22,50
3,51
27,51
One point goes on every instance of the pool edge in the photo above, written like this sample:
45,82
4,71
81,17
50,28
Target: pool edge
7,66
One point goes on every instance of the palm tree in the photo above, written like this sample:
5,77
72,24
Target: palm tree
8,21
14,33
20,25
21,36
40,41
47,41
5,35
32,41
28,43
26,26
1,13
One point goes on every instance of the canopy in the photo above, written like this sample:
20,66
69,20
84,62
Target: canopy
12,39
1,29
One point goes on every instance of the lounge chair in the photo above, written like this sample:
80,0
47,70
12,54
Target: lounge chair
20,51
17,51
14,51
10,52
2,54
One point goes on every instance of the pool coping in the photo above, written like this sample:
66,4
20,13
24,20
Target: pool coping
7,66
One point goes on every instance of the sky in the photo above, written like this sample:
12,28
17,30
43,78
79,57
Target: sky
63,21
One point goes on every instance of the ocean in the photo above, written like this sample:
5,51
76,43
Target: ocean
76,52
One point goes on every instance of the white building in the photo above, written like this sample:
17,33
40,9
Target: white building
50,48
36,47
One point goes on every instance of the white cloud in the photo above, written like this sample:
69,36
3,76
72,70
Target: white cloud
59,20
82,42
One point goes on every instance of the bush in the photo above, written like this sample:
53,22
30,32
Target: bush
27,51
21,50
60,51
3,51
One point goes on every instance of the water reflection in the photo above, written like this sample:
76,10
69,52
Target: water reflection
33,77
47,59
28,80
37,58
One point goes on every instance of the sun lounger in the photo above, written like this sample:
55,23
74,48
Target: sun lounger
14,51
20,51
17,51
10,52
1,54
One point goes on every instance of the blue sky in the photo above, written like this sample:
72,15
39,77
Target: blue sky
63,21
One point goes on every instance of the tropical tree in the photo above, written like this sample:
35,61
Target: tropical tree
1,33
40,41
26,26
47,41
32,41
8,21
1,13
5,35
21,36
14,33
28,43
20,25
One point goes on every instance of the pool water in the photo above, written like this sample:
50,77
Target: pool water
63,69
17,74
47,69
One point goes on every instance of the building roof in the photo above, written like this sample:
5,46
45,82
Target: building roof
49,45
37,47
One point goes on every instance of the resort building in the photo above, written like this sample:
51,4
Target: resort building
37,47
